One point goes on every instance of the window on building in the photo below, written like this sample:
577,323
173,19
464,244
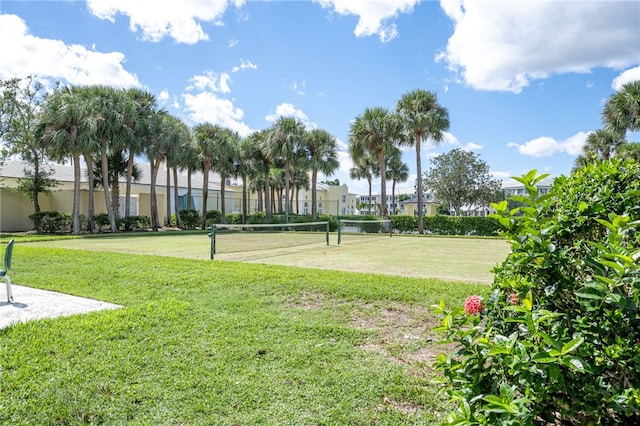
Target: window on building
344,198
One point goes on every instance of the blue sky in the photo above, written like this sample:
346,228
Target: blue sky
524,82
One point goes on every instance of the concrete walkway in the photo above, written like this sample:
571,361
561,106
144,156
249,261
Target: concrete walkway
30,303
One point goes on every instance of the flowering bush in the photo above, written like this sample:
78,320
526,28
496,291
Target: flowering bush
473,305
558,340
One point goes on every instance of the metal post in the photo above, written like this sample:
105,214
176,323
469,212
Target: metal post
339,231
212,235
327,233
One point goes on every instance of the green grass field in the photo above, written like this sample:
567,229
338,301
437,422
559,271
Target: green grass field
462,259
229,343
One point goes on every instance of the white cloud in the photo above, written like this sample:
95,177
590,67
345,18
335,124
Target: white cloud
208,107
546,146
503,45
210,80
163,96
288,110
244,65
156,19
26,54
472,147
501,175
373,15
629,75
233,42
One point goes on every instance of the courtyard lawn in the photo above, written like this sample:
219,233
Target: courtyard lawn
225,343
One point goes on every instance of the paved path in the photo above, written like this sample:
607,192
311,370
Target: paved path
30,303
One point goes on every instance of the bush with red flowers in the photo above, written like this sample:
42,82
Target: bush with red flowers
558,340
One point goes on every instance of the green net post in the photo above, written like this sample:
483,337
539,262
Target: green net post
212,235
339,231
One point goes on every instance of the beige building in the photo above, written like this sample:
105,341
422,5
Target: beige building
15,208
333,200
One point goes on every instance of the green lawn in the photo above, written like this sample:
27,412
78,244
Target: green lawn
219,342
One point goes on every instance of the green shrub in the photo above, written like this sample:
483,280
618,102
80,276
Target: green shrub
213,216
101,220
558,341
257,217
404,223
52,222
462,225
233,218
133,223
190,218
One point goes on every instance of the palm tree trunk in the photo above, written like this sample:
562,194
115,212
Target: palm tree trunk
267,197
176,199
419,187
189,206
105,186
168,171
153,204
383,184
91,204
127,199
205,194
245,201
222,199
75,213
314,193
370,189
287,176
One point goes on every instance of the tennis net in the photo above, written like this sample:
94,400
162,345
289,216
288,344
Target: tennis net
230,238
368,227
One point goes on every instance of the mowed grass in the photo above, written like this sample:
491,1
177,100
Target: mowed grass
219,342
461,259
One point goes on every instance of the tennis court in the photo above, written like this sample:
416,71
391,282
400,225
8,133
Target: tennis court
462,259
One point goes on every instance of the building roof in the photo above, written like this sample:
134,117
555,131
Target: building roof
64,173
512,183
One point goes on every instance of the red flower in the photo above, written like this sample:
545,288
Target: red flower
513,298
473,305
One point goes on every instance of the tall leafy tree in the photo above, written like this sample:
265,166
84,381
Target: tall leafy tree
285,140
376,133
460,178
322,152
20,103
423,118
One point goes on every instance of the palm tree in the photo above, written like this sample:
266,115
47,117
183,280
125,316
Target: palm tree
377,133
423,118
363,169
224,162
138,109
206,136
285,140
65,126
246,167
163,132
397,171
259,173
622,110
322,152
602,144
